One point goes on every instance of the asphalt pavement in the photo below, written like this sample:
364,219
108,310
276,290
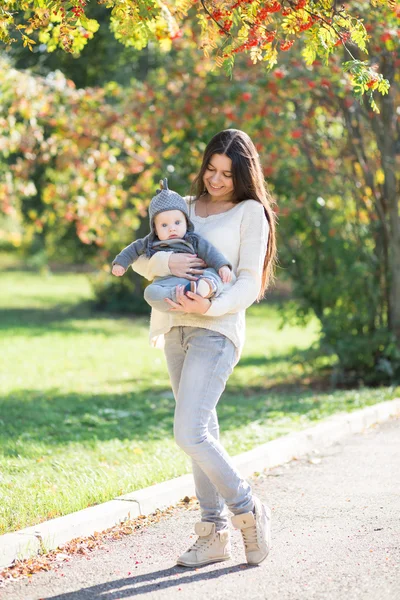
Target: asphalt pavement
336,536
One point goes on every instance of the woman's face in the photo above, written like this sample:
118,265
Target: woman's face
218,178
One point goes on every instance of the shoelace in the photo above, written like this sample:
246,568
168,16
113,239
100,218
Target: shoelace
249,535
200,543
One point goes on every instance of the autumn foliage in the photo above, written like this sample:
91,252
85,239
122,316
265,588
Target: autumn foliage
82,164
262,29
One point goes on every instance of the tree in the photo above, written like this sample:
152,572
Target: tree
264,29
326,157
104,59
70,158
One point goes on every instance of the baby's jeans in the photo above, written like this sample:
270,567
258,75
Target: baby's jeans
199,363
165,287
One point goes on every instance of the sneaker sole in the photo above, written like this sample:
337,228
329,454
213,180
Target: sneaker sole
258,561
205,562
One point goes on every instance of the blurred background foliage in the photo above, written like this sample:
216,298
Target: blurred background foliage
85,139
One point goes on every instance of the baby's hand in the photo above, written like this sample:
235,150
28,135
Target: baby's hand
225,273
118,270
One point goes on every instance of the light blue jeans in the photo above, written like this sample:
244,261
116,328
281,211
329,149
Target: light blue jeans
165,287
199,363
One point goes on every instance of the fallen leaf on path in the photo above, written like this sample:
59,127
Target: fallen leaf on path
82,546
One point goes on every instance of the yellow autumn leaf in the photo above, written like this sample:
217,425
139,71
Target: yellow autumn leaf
380,177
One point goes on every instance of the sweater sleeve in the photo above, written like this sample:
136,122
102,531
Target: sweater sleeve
254,231
129,254
156,266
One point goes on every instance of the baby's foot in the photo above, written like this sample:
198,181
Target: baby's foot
204,287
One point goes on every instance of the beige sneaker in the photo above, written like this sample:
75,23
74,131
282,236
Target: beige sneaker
211,546
256,532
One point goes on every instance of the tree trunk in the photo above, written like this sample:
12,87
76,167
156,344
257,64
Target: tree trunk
387,144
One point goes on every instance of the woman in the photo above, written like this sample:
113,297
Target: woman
203,339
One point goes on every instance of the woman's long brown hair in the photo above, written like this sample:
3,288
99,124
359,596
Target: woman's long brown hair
248,184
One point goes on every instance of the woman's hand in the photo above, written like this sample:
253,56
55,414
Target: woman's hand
186,265
189,302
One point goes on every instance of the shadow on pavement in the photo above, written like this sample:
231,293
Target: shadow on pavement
130,586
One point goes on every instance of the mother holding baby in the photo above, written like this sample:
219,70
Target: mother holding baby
203,337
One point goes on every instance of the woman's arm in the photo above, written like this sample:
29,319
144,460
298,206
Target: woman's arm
162,264
254,233
156,266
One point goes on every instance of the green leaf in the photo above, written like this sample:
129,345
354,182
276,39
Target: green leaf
89,24
358,35
228,65
309,53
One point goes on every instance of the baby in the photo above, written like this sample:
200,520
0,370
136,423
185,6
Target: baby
171,230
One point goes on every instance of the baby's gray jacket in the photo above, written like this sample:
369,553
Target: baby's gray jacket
197,245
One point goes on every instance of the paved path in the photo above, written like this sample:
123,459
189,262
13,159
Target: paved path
336,536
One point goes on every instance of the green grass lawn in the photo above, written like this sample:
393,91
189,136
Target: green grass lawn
86,409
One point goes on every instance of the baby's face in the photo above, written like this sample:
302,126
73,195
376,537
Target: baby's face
170,224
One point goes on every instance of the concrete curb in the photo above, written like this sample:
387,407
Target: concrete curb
56,532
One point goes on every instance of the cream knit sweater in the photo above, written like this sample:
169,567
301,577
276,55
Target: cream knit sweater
241,234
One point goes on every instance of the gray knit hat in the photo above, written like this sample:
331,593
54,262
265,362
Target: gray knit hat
166,199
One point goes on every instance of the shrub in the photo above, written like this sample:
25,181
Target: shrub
119,294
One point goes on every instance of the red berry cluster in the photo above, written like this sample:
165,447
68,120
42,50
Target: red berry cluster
251,43
258,35
177,35
78,11
343,38
62,10
269,8
269,36
300,4
239,2
219,14
306,25
286,45
372,81
385,37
